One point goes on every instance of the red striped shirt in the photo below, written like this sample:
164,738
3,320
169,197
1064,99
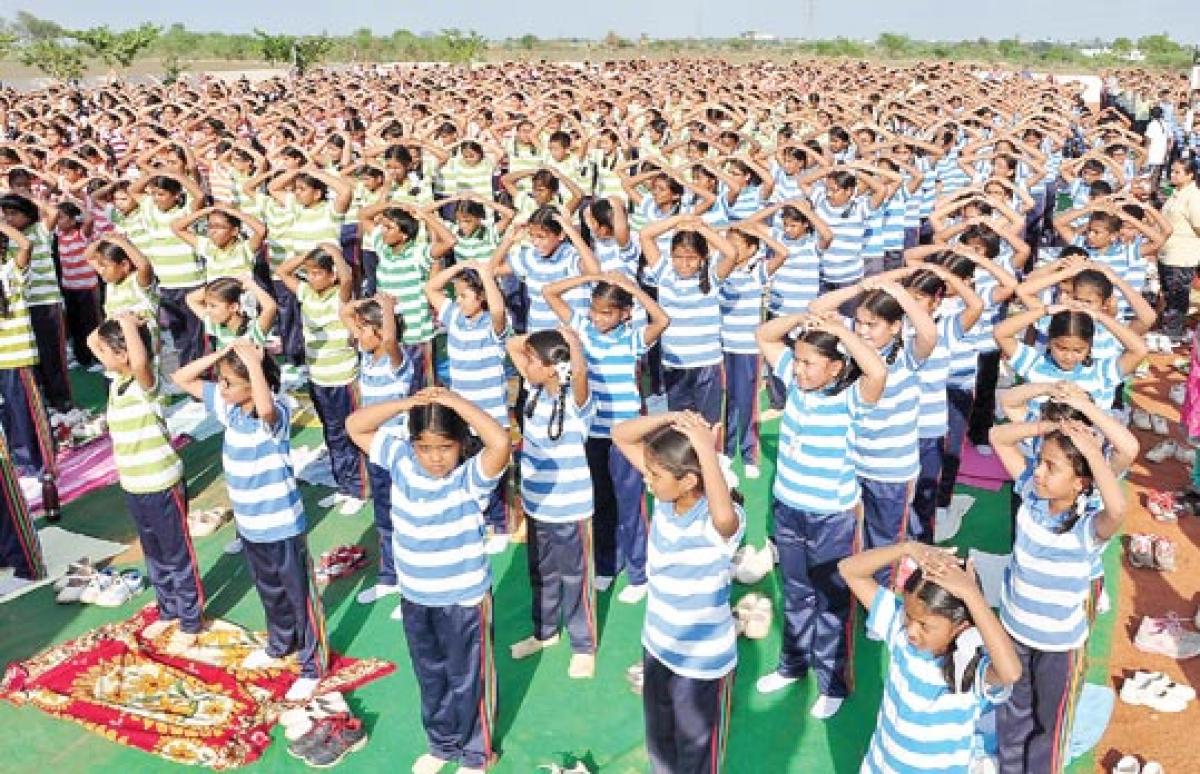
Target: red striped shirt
77,273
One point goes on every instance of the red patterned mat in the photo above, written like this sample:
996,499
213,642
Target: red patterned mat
195,707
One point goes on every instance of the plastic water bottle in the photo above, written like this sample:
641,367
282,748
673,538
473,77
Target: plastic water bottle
50,504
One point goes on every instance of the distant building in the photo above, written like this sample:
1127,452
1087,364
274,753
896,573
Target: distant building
759,37
1133,55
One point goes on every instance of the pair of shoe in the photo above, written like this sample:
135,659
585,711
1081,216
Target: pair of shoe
1178,393
1163,505
105,588
1131,765
78,574
204,523
298,721
340,562
751,565
752,616
1153,552
330,740
1165,450
346,505
1156,691
1167,636
1159,342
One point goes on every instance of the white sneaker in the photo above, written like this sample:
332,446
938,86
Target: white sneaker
752,472
496,544
351,506
826,707
1178,393
302,689
773,682
328,501
234,546
602,583
378,591
531,645
260,659
1152,695
632,594
755,565
1128,765
115,595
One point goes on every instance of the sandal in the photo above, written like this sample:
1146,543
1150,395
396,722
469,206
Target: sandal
1164,553
1162,505
1163,450
1159,424
1141,419
1185,453
1140,550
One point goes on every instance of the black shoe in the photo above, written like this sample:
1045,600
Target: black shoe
339,735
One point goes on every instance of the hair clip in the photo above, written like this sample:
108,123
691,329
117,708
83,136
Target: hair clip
563,370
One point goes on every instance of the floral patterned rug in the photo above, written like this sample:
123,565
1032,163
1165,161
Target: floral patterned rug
194,707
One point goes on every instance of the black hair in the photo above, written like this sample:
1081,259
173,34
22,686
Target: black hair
113,335
229,290
601,211
926,283
982,233
22,205
546,217
371,313
942,603
1070,322
1092,278
444,421
233,361
614,294
830,346
551,348
793,213
313,182
471,278
1070,250
694,240
672,450
170,185
404,221
882,305
473,208
321,257
545,179
1081,467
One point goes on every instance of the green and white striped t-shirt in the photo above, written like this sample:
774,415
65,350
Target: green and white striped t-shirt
145,459
43,281
173,259
331,359
17,345
459,178
223,335
278,219
478,246
129,296
233,260
402,274
311,226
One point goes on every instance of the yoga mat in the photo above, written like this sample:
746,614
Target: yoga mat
981,471
60,547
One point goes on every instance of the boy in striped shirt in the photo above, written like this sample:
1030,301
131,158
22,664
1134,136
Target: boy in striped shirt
79,281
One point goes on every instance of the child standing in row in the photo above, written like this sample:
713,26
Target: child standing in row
266,505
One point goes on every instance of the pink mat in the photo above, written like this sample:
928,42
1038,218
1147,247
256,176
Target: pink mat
983,472
87,468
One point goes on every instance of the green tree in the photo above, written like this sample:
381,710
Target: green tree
173,67
275,48
117,47
311,51
1121,46
461,47
28,26
59,61
528,42
893,44
7,39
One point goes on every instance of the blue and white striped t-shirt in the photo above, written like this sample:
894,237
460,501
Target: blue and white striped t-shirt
1100,379
612,359
257,461
379,381
1104,344
741,306
476,359
537,271
693,339
815,471
556,482
933,375
884,443
895,220
613,257
689,624
1048,579
747,202
842,261
797,282
437,524
923,727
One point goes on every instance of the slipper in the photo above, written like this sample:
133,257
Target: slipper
1141,419
1159,424
81,569
1140,550
1162,451
1162,505
1164,554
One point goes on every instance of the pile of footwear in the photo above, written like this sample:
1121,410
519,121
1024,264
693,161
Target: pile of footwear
1168,636
76,427
752,616
1168,506
204,523
87,585
1153,552
751,565
1156,691
340,562
1168,449
1131,765
323,731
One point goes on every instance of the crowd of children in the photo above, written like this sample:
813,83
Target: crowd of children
647,251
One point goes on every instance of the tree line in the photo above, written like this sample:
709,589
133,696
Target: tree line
66,54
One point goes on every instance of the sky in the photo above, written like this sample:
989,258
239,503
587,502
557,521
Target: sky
923,19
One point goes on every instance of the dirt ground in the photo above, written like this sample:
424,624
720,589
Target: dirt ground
1138,730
